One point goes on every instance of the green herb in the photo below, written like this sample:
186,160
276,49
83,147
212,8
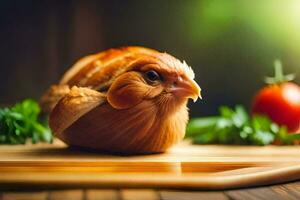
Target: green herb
235,126
21,122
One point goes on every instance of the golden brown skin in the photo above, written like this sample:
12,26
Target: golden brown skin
128,100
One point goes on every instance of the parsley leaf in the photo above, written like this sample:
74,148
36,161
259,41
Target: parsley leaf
235,126
21,122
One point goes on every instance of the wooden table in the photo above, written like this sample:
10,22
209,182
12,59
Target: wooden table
186,172
284,191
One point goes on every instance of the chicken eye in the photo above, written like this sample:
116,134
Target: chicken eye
152,76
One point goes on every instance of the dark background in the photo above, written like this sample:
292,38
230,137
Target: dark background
230,44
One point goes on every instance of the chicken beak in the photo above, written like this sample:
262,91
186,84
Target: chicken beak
196,91
187,88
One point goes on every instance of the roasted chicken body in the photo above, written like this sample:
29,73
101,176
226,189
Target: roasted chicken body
126,100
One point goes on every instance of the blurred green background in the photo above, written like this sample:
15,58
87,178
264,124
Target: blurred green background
230,44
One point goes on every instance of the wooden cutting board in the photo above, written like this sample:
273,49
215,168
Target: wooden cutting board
184,166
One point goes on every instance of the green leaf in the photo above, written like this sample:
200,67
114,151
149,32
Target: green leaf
196,126
204,138
263,137
237,127
226,112
240,116
293,137
21,122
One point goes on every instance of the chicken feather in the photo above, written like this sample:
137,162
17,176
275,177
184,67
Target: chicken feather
128,100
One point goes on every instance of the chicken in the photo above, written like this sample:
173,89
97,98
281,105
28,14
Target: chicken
125,100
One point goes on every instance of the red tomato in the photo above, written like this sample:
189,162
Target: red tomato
281,103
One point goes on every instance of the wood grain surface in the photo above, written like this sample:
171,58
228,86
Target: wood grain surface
288,191
209,167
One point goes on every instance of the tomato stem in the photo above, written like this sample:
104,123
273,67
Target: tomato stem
278,71
279,76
